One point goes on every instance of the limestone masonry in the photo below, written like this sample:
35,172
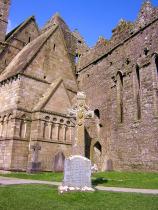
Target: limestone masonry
41,71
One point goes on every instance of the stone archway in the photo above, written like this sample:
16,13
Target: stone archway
58,163
96,150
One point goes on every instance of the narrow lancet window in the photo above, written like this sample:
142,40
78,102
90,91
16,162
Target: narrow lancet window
156,62
120,110
138,99
156,83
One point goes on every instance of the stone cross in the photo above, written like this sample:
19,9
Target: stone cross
81,112
35,149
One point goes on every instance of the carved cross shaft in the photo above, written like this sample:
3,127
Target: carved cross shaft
35,152
80,112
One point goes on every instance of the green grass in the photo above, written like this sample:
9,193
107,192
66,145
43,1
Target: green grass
117,179
42,197
44,176
127,179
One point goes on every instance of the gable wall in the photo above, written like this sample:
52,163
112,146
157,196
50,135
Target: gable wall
31,90
59,101
17,42
51,62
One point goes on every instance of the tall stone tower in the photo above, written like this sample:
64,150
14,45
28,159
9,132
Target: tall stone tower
4,11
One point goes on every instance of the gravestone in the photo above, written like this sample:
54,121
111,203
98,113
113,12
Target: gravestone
35,165
77,175
59,162
108,165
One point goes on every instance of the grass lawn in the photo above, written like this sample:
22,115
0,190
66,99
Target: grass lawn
43,197
44,176
118,179
127,179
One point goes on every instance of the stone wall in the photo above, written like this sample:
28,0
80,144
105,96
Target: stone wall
5,154
54,134
9,94
30,88
20,130
119,77
122,84
4,11
20,152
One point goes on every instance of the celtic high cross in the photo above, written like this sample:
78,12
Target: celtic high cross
81,112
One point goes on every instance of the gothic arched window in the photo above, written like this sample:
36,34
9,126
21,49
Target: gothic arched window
97,113
98,147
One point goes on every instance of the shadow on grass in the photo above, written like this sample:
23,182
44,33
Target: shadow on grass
97,181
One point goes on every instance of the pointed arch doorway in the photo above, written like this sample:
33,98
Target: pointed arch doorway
96,153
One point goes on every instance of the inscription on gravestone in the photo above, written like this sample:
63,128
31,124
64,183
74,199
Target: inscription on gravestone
77,172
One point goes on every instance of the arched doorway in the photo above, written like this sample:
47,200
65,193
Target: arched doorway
97,154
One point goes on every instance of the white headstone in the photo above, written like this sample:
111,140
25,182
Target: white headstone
77,174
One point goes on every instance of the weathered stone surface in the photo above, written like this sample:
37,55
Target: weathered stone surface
38,83
4,6
132,143
81,112
59,162
16,40
77,174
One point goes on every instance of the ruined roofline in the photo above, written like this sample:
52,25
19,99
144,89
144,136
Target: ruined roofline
56,19
115,47
18,64
14,32
124,31
19,27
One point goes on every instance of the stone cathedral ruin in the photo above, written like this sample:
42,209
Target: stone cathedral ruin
41,71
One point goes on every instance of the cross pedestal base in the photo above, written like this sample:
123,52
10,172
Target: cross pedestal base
34,167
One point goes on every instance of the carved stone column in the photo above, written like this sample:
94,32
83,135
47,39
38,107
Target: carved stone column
68,134
17,123
50,130
41,129
23,129
62,134
4,130
55,132
10,130
46,131
1,128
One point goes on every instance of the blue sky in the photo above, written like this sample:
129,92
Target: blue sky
93,18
